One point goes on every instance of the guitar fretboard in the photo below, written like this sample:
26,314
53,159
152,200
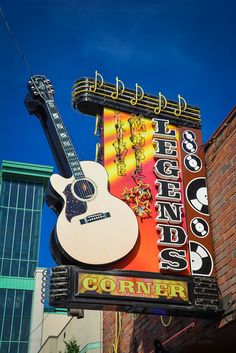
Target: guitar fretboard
65,140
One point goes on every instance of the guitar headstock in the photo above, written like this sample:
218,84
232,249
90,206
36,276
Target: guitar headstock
40,88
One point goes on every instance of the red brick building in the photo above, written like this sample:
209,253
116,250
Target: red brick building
129,333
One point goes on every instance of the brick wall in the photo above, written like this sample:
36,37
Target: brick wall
138,332
221,179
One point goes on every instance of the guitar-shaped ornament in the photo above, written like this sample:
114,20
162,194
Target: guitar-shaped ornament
93,226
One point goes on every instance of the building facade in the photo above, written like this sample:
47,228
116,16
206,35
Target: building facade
21,201
139,333
51,327
86,331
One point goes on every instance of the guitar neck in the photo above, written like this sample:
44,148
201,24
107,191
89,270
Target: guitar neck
40,101
59,141
69,154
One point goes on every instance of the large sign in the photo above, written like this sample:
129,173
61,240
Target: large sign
158,169
151,148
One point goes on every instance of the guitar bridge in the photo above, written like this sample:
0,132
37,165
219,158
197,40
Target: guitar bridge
95,217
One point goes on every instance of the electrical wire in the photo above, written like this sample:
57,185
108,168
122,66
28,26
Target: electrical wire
118,332
19,49
166,324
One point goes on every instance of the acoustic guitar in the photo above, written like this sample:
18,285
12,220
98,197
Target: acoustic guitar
93,227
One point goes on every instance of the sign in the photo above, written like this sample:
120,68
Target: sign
151,148
154,288
158,169
133,292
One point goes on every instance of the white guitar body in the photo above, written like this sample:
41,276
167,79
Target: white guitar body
106,232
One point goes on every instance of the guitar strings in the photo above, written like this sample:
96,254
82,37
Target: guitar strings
88,184
88,189
13,38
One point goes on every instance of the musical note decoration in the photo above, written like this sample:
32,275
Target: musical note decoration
162,102
100,94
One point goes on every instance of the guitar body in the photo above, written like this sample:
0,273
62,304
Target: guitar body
93,226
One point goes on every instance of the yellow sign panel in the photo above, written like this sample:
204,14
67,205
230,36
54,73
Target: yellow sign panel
152,288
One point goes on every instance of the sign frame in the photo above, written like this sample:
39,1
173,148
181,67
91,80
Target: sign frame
203,294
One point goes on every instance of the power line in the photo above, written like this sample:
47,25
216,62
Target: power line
20,51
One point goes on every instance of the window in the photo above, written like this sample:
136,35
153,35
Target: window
18,303
29,195
5,193
4,347
13,193
3,221
21,195
38,197
27,304
14,268
26,234
13,347
5,267
23,268
15,328
23,348
35,235
9,233
18,234
2,302
25,326
6,328
15,319
9,302
31,268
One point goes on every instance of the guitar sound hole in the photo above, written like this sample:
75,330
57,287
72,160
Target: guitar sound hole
84,189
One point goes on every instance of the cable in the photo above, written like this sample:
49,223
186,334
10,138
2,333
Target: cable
20,51
25,338
117,333
166,324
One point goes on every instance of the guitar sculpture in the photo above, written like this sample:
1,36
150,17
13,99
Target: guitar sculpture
93,227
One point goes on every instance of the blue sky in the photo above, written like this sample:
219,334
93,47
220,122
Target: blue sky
172,46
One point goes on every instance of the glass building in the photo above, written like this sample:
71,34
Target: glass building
21,200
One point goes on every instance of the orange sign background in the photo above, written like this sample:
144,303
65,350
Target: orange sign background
144,256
